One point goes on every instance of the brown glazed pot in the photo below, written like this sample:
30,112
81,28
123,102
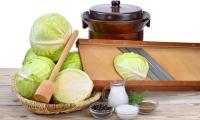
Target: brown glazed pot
116,22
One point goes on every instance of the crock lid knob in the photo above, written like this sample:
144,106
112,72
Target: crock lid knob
115,3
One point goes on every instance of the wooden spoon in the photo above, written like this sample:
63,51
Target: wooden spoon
46,89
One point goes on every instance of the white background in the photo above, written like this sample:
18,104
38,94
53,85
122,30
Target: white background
172,20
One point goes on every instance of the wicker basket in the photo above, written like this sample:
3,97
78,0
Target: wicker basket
42,108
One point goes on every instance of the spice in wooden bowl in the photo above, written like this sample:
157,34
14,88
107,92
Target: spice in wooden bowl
147,106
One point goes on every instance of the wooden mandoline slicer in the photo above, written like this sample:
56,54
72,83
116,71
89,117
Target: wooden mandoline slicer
173,66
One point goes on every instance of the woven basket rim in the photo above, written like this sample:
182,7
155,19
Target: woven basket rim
94,97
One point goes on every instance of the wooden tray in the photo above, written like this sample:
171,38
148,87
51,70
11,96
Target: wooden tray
181,60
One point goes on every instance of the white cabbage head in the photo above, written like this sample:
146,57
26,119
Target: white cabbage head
131,66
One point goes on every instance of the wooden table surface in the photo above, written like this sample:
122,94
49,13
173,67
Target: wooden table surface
172,105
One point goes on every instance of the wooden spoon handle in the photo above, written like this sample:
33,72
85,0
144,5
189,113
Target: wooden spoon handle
64,54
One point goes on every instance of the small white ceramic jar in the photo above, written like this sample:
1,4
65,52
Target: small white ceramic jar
117,95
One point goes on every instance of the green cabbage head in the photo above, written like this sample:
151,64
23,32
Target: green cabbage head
72,61
29,56
49,34
131,66
32,74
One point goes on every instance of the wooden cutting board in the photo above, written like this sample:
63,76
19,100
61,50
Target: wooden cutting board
181,60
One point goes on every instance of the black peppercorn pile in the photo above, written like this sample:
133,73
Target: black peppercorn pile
103,108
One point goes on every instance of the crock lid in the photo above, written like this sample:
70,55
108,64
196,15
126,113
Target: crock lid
116,11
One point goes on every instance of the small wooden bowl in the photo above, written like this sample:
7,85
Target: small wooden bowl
147,106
